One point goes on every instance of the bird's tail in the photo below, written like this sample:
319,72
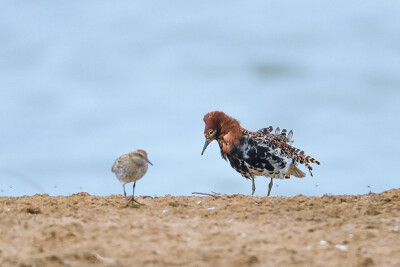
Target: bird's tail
299,154
304,159
296,171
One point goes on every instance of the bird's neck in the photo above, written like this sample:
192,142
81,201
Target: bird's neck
230,135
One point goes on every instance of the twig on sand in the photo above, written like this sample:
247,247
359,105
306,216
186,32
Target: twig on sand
214,195
108,261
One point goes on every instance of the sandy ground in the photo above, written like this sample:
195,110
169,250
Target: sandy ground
230,230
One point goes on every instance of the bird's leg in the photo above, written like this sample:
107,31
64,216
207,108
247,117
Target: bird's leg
270,187
133,200
253,186
123,186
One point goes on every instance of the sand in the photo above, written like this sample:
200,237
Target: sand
230,230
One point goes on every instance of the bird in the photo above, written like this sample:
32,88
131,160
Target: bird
265,152
131,167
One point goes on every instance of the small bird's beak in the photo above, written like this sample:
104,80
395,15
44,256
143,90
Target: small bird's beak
149,162
205,146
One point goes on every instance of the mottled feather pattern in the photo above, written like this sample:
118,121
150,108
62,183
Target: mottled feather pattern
283,142
266,152
254,158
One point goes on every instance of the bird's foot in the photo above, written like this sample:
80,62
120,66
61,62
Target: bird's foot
134,203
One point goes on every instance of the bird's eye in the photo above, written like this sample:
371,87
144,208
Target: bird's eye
211,132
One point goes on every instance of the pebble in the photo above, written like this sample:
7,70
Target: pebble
341,247
396,228
323,243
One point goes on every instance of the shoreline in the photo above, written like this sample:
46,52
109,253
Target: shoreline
235,230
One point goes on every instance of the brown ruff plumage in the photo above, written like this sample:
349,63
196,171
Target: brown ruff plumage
255,153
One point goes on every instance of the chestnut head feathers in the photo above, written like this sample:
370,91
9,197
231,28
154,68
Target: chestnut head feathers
222,128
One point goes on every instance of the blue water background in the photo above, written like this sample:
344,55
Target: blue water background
83,82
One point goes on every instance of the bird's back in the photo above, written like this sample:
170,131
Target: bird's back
268,154
129,168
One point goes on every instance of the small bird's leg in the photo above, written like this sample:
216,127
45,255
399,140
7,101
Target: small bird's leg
133,195
123,186
253,186
270,187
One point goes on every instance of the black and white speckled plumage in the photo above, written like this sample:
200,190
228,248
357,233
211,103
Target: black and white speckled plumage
255,157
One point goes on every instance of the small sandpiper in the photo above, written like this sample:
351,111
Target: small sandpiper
130,168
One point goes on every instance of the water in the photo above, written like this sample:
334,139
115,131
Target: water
84,82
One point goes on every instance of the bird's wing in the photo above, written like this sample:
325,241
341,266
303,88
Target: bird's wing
280,147
259,157
282,136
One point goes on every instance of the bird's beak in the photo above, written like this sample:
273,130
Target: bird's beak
149,162
205,145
